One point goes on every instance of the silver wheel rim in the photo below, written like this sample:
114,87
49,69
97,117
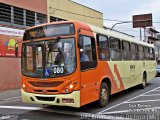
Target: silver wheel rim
104,95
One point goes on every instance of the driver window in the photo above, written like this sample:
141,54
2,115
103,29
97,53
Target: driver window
88,56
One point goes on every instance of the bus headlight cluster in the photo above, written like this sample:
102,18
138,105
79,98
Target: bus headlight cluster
69,88
24,86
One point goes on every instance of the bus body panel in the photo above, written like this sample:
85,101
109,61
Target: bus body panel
117,71
38,99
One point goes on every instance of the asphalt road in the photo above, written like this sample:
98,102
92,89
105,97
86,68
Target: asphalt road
134,103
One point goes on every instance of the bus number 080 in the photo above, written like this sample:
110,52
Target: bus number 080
58,70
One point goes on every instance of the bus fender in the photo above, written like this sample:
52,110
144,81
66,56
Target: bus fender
107,81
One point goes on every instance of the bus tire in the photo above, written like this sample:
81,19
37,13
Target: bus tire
104,95
144,82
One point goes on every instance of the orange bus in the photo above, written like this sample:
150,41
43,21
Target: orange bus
70,63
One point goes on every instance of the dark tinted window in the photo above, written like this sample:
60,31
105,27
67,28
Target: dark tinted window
5,13
152,54
115,49
147,53
126,50
103,47
88,57
141,52
134,55
114,43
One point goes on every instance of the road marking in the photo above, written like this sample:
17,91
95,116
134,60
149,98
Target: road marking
20,107
12,98
152,95
142,101
81,114
5,117
125,111
8,100
116,112
127,100
8,117
157,90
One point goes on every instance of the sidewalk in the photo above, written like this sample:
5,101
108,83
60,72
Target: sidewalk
9,94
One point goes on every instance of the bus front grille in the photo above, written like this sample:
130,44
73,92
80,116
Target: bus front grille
45,84
45,98
46,91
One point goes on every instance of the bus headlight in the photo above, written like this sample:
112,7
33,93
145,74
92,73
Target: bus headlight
23,85
25,88
69,88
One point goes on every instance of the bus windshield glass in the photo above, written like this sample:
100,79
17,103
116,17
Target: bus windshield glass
49,58
49,31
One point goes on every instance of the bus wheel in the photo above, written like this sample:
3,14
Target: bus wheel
143,85
104,95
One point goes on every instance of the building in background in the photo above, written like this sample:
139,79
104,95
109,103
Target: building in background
67,10
17,15
152,38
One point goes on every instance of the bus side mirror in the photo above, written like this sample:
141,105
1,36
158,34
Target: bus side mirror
16,49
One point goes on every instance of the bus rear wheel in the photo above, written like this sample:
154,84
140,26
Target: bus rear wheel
104,95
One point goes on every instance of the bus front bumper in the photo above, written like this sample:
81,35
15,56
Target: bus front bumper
72,99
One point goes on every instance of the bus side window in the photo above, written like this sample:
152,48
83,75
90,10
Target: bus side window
147,53
126,50
134,51
88,56
141,52
115,48
152,54
103,47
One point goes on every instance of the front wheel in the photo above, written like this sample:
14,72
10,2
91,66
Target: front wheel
104,95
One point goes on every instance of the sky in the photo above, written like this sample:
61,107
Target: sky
123,10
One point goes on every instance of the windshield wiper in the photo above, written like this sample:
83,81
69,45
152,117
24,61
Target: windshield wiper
51,48
55,41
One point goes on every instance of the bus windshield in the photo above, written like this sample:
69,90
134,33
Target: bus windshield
49,58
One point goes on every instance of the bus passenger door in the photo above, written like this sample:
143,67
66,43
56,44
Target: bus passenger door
89,76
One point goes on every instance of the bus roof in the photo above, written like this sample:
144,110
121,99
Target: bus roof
118,35
100,31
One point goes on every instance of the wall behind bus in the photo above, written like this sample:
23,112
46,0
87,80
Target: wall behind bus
69,10
33,5
10,73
